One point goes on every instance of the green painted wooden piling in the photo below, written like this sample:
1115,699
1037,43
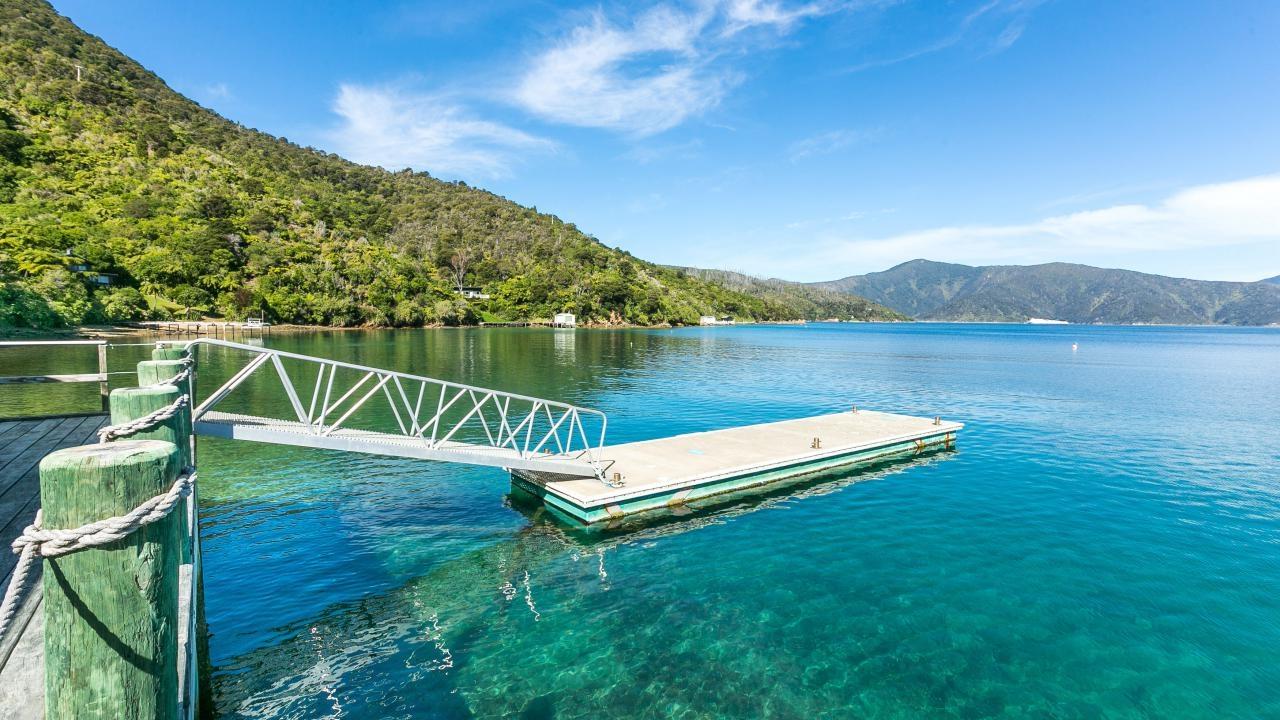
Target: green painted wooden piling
111,613
132,403
151,372
169,352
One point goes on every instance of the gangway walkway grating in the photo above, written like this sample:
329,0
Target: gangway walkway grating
284,432
337,405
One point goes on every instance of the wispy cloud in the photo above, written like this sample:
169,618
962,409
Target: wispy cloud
1218,215
827,143
648,152
997,23
647,203
218,90
396,128
652,71
847,217
1105,193
743,14
1204,217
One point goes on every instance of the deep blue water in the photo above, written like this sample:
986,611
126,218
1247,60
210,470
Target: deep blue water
1104,542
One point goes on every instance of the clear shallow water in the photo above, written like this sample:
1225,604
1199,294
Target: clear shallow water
1105,542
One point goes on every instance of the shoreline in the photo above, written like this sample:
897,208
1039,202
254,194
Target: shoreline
108,332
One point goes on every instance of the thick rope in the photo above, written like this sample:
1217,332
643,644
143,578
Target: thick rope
182,375
144,423
36,542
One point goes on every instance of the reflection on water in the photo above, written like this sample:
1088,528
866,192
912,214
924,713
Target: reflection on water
1102,544
410,624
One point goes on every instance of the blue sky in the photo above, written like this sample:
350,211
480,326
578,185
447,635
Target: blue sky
804,140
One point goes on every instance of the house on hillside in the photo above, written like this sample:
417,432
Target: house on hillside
89,274
473,293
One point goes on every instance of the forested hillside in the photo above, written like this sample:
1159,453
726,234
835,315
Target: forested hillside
1062,291
120,199
813,303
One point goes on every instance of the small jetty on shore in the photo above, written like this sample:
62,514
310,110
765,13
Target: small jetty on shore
210,328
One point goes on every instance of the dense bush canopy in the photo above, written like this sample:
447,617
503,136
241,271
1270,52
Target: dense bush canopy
120,199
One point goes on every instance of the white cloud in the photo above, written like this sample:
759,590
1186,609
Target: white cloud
395,128
827,143
1009,17
1219,215
743,14
218,91
1202,219
647,153
649,72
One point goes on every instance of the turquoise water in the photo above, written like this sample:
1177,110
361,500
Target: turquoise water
1104,543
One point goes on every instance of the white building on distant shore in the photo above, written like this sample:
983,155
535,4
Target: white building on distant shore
564,320
713,320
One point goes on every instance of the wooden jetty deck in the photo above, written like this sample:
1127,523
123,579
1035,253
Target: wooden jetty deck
676,470
23,443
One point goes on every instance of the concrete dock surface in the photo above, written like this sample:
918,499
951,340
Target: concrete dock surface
670,470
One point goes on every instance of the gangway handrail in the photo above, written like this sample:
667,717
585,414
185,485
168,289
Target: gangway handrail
450,394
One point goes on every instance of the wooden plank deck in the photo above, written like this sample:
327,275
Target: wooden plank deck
23,443
673,470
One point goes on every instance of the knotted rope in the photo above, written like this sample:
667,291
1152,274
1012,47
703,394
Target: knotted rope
144,423
37,542
155,417
182,375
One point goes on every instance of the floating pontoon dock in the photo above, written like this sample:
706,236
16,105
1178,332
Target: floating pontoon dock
146,653
675,470
553,450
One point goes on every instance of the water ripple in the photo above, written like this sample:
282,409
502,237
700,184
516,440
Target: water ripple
1102,544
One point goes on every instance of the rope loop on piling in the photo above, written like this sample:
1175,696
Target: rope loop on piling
144,423
182,375
36,542
185,373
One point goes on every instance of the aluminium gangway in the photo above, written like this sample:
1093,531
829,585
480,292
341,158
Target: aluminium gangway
355,408
554,450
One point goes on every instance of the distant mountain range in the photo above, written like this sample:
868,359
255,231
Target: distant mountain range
1273,280
812,303
929,290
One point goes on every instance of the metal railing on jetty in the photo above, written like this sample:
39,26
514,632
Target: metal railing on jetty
99,377
123,604
440,419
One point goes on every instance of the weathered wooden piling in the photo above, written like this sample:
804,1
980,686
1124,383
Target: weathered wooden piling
111,613
132,403
152,372
169,352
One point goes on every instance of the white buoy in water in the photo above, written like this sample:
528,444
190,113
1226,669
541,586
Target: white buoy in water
1075,347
